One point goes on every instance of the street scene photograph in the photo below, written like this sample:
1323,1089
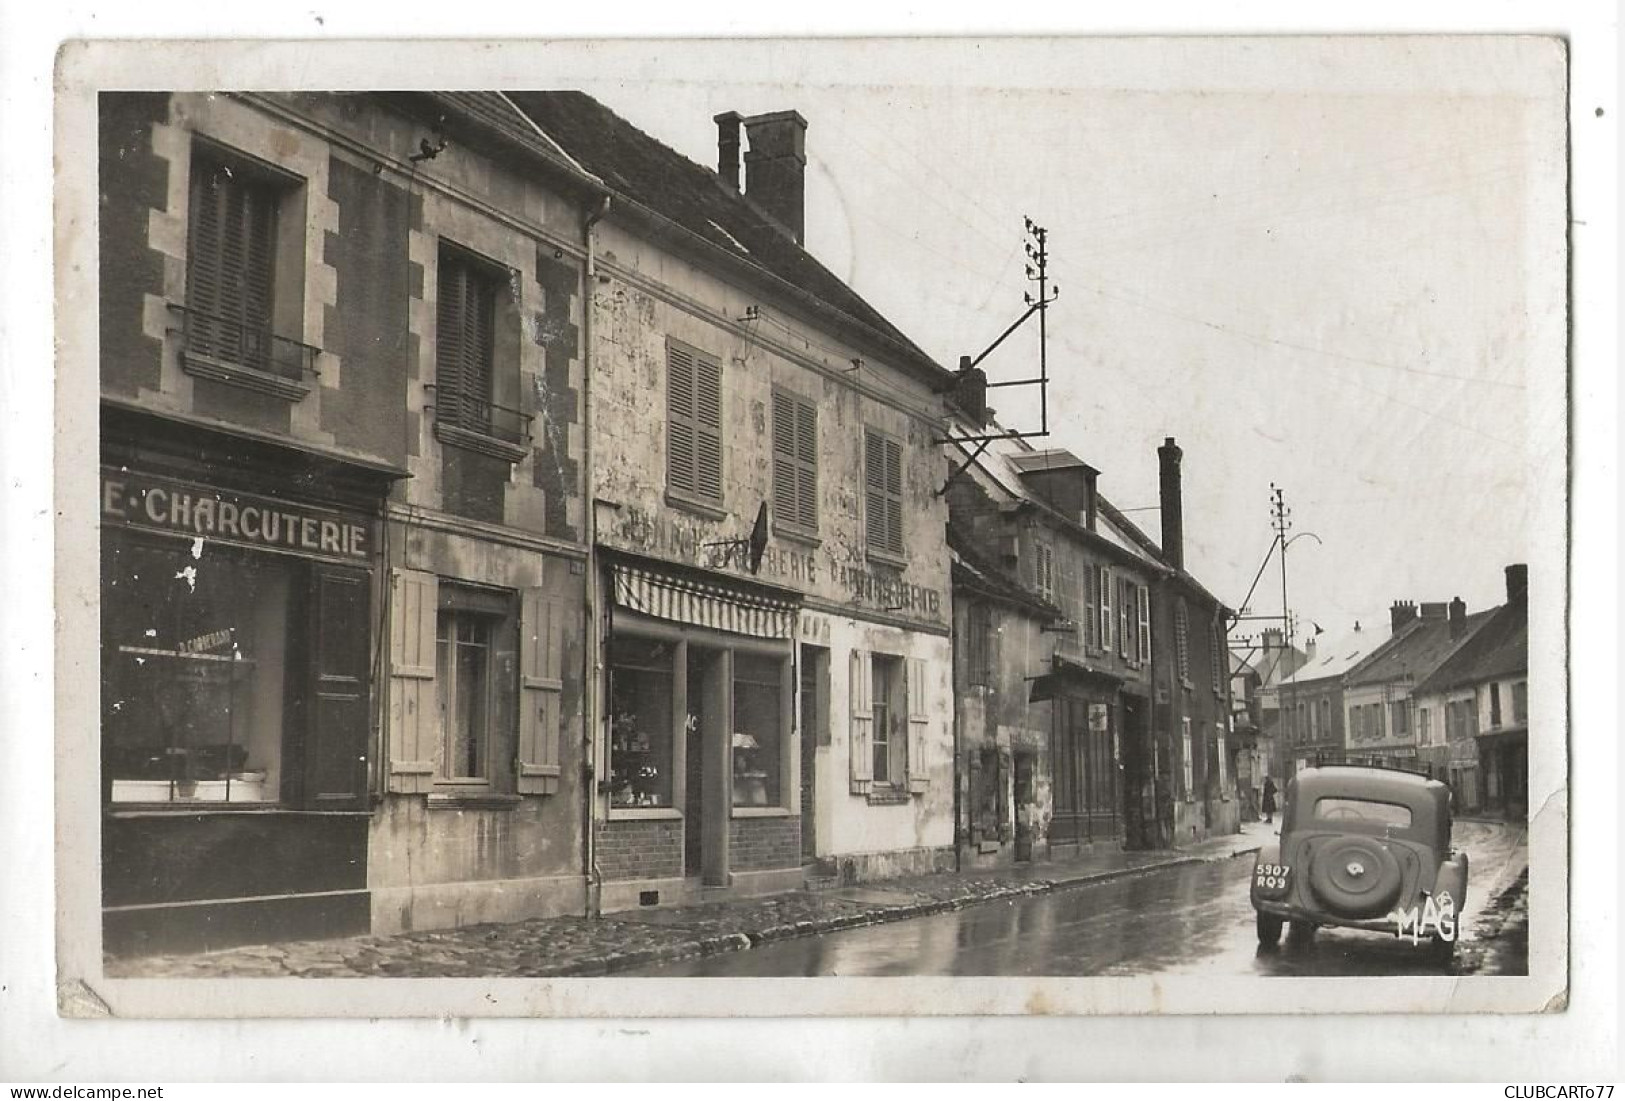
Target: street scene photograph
1028,508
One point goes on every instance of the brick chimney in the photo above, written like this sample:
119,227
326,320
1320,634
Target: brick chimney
1517,583
728,147
1173,504
776,168
1400,613
1458,619
1435,609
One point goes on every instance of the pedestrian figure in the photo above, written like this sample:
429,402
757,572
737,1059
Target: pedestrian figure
1269,799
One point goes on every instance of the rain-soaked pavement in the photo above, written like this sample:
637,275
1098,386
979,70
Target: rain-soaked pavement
1191,920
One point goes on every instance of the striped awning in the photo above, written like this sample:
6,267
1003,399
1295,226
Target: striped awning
699,604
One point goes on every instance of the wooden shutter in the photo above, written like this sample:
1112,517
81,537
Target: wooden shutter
874,489
806,465
413,711
1144,600
708,427
335,758
680,433
465,342
786,502
231,257
860,687
1125,595
919,723
894,496
541,691
1091,616
1106,620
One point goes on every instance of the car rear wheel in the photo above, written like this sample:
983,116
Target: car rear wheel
1269,929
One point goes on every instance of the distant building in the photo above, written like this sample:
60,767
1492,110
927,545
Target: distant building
1473,710
1380,711
1310,701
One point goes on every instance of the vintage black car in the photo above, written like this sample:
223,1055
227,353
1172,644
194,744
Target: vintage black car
1363,848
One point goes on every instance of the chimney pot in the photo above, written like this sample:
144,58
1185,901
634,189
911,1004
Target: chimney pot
776,168
1517,582
728,147
1173,507
1458,618
1400,613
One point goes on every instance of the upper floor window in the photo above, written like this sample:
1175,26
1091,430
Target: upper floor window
883,492
1107,620
473,300
1215,662
1126,621
1495,704
1182,642
237,293
1143,599
1399,720
795,462
1044,569
979,637
474,679
693,423
1520,701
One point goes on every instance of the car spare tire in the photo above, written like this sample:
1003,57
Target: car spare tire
1355,877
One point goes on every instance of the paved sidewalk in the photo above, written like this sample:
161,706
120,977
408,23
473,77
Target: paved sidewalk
582,946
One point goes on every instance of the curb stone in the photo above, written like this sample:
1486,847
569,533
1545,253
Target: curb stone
734,942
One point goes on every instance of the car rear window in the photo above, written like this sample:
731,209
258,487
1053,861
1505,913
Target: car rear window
1340,809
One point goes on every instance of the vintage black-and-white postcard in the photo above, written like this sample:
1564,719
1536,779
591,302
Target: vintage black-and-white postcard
983,526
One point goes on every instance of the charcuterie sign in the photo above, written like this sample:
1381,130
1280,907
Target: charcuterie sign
245,520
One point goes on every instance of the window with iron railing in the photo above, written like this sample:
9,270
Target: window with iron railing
228,320
471,298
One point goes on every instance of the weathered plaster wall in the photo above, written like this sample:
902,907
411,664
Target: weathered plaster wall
634,321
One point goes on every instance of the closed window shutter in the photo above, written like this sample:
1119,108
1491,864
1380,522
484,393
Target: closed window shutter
335,765
541,691
1144,599
465,342
894,497
413,733
450,326
786,499
1125,595
919,722
708,427
860,688
806,465
230,264
874,489
680,441
1091,620
1106,622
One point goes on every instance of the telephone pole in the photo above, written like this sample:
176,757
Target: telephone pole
1281,518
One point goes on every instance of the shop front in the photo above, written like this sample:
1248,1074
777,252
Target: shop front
238,597
701,784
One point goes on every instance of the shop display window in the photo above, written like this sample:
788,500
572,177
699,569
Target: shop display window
195,671
641,753
758,731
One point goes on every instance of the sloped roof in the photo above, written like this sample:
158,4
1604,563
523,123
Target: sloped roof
638,168
1500,647
1419,648
1337,658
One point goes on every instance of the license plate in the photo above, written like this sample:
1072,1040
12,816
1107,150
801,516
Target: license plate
1271,876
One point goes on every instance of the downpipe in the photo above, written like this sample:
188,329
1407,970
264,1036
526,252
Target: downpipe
592,649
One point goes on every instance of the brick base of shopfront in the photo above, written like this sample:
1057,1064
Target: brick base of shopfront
641,861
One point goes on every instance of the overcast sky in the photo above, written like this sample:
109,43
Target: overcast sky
1336,265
